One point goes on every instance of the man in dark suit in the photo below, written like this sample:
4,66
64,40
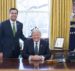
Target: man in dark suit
36,49
10,33
72,36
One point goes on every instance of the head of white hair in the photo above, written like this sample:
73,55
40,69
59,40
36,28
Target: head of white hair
35,30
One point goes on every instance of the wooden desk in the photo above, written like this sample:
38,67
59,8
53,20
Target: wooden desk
59,50
55,51
24,65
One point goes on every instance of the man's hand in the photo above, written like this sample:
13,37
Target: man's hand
35,57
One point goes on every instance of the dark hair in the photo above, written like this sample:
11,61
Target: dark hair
13,9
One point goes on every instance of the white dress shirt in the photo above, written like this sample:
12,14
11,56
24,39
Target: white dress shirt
38,45
12,22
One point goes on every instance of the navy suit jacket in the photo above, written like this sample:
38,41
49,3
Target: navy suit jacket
43,49
9,44
72,37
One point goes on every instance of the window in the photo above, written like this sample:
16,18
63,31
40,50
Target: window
34,13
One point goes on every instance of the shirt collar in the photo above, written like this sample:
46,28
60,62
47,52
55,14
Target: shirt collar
12,21
37,41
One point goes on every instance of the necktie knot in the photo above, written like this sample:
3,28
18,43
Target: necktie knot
36,43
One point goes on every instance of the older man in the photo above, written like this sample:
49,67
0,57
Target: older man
36,49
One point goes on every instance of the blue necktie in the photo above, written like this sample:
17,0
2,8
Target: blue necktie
36,49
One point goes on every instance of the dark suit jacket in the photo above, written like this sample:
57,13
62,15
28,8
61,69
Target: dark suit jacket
9,44
72,37
43,49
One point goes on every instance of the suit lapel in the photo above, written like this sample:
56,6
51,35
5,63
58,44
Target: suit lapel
10,28
17,26
40,47
32,47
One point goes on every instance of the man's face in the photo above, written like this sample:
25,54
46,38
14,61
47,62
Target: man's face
36,36
13,15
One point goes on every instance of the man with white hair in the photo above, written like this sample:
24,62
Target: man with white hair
36,49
